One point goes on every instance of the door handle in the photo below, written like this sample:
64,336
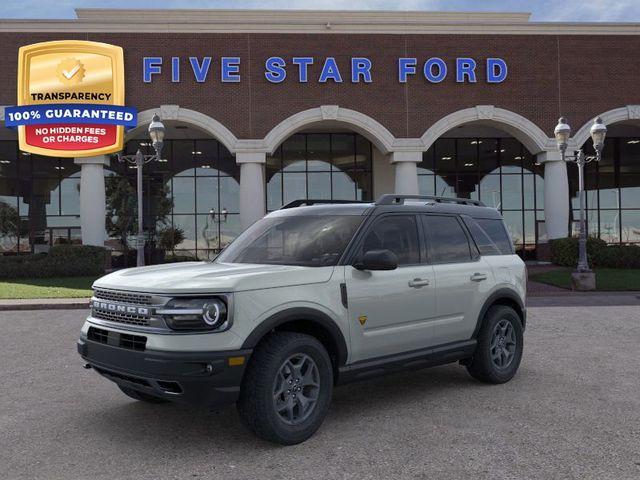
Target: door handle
418,282
478,277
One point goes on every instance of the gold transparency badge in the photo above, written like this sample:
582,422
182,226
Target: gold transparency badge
71,99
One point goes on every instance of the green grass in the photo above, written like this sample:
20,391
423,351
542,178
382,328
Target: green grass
67,287
607,279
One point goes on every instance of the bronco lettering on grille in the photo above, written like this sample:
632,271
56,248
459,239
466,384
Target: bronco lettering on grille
114,307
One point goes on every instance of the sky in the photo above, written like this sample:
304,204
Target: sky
542,10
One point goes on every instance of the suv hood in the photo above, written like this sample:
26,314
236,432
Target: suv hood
205,277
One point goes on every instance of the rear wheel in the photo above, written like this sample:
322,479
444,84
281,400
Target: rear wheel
141,396
500,345
287,388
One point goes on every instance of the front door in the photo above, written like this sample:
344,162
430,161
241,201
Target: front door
391,311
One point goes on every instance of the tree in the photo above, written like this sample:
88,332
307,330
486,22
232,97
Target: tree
122,208
9,222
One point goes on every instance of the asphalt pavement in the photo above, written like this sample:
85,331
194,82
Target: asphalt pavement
573,411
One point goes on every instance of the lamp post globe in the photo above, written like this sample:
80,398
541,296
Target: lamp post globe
562,133
156,133
598,133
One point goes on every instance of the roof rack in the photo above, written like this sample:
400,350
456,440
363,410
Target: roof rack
309,201
392,199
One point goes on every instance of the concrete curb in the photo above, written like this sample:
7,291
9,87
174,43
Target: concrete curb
45,304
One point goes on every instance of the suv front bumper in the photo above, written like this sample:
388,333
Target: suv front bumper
204,379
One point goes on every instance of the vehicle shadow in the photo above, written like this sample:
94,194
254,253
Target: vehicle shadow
186,430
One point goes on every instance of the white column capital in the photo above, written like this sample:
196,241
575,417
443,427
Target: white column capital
98,160
406,156
251,157
549,156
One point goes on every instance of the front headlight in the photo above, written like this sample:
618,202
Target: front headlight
196,314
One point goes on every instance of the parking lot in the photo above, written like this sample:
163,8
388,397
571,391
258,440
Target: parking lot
573,411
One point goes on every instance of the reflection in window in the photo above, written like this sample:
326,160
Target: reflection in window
612,191
331,166
202,182
500,172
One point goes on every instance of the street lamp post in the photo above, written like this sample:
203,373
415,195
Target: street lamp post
562,133
156,133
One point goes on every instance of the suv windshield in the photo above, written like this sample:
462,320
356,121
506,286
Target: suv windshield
305,240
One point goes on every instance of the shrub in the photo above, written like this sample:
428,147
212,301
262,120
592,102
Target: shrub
564,252
61,261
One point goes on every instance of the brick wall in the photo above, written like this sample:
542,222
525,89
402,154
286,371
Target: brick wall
578,76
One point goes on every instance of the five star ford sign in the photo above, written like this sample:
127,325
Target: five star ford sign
70,99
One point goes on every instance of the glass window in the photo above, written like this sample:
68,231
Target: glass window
306,240
447,240
319,166
497,232
397,233
631,226
485,245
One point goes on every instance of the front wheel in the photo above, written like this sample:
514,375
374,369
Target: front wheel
287,388
500,344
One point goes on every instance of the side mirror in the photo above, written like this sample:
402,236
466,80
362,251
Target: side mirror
377,260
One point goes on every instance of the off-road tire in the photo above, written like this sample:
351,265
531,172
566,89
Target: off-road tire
141,396
256,403
482,366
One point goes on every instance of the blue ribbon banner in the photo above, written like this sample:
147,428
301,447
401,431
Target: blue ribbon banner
70,113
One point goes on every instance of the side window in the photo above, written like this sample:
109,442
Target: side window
447,241
398,233
485,245
498,233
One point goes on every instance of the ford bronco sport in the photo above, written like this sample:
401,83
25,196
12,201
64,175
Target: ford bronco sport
313,295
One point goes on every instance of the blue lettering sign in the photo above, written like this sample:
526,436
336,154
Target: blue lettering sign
200,71
465,67
428,70
230,69
496,70
360,67
406,66
151,66
275,69
303,66
330,71
175,69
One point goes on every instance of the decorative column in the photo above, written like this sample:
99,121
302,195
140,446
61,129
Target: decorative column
406,167
92,199
556,194
252,187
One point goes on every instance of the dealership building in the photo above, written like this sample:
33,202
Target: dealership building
265,107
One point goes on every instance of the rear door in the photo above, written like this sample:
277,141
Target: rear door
463,278
391,311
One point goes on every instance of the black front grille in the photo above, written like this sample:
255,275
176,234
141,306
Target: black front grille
98,335
126,318
133,342
123,297
122,340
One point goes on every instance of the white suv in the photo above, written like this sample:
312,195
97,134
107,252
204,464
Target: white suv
310,297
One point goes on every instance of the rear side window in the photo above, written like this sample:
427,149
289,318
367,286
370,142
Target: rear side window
485,245
446,238
494,228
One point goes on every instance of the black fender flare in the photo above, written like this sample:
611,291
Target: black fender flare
495,297
300,313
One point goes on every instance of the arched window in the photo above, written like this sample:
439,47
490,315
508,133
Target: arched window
334,166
